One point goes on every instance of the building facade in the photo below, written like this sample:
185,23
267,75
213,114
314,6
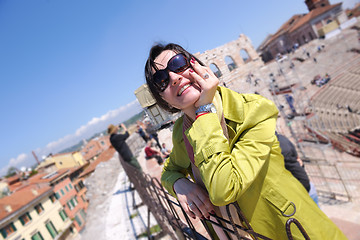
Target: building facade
94,147
33,213
60,161
73,201
321,21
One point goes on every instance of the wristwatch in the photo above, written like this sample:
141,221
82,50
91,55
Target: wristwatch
207,108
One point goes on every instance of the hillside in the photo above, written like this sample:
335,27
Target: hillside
128,123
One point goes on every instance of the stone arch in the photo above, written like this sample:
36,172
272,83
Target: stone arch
230,63
215,70
245,55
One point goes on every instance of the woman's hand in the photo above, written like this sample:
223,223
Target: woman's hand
206,80
194,200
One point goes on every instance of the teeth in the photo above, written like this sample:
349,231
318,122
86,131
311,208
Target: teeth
183,89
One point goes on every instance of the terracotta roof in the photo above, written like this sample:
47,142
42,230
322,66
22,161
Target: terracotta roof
74,169
103,157
11,179
21,198
299,20
60,154
15,186
311,15
40,178
285,27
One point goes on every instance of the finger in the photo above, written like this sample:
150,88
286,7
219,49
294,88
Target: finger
199,73
208,205
205,207
186,208
199,69
195,210
190,212
203,71
198,79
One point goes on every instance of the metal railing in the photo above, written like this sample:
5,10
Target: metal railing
174,222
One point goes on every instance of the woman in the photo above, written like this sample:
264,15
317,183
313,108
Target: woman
226,141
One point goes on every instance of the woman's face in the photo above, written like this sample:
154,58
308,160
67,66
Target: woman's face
182,91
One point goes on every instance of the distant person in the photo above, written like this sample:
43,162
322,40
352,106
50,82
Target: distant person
295,165
165,151
151,152
151,131
141,132
118,142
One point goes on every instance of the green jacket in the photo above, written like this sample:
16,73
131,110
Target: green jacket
249,170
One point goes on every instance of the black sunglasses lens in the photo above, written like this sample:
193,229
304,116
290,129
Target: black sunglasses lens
178,63
161,79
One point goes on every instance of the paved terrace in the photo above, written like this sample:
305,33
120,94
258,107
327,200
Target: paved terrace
110,214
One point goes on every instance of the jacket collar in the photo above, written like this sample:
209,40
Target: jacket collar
233,108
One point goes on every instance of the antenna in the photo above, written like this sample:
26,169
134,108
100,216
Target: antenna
36,158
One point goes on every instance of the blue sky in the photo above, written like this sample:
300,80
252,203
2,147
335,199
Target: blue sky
69,68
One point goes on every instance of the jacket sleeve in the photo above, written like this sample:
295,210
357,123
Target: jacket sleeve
227,170
121,137
177,164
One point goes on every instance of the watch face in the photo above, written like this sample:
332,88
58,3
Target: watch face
206,108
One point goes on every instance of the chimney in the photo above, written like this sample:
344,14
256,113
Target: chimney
8,208
34,191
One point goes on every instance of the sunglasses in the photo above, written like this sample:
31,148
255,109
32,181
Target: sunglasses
176,64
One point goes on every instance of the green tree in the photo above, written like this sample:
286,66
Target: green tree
11,172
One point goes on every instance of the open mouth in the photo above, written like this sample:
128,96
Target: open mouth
186,86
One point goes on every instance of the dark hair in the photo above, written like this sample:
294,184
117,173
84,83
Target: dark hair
155,51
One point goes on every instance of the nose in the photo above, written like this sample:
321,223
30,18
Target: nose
174,78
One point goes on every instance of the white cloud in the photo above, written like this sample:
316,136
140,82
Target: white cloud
95,125
20,160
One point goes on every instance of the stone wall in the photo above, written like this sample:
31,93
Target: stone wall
241,66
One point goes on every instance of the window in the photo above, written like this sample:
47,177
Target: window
311,36
50,227
245,56
53,198
70,186
215,70
57,195
82,213
67,189
72,203
83,198
39,208
63,215
62,192
230,63
25,219
77,219
102,143
8,230
37,236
